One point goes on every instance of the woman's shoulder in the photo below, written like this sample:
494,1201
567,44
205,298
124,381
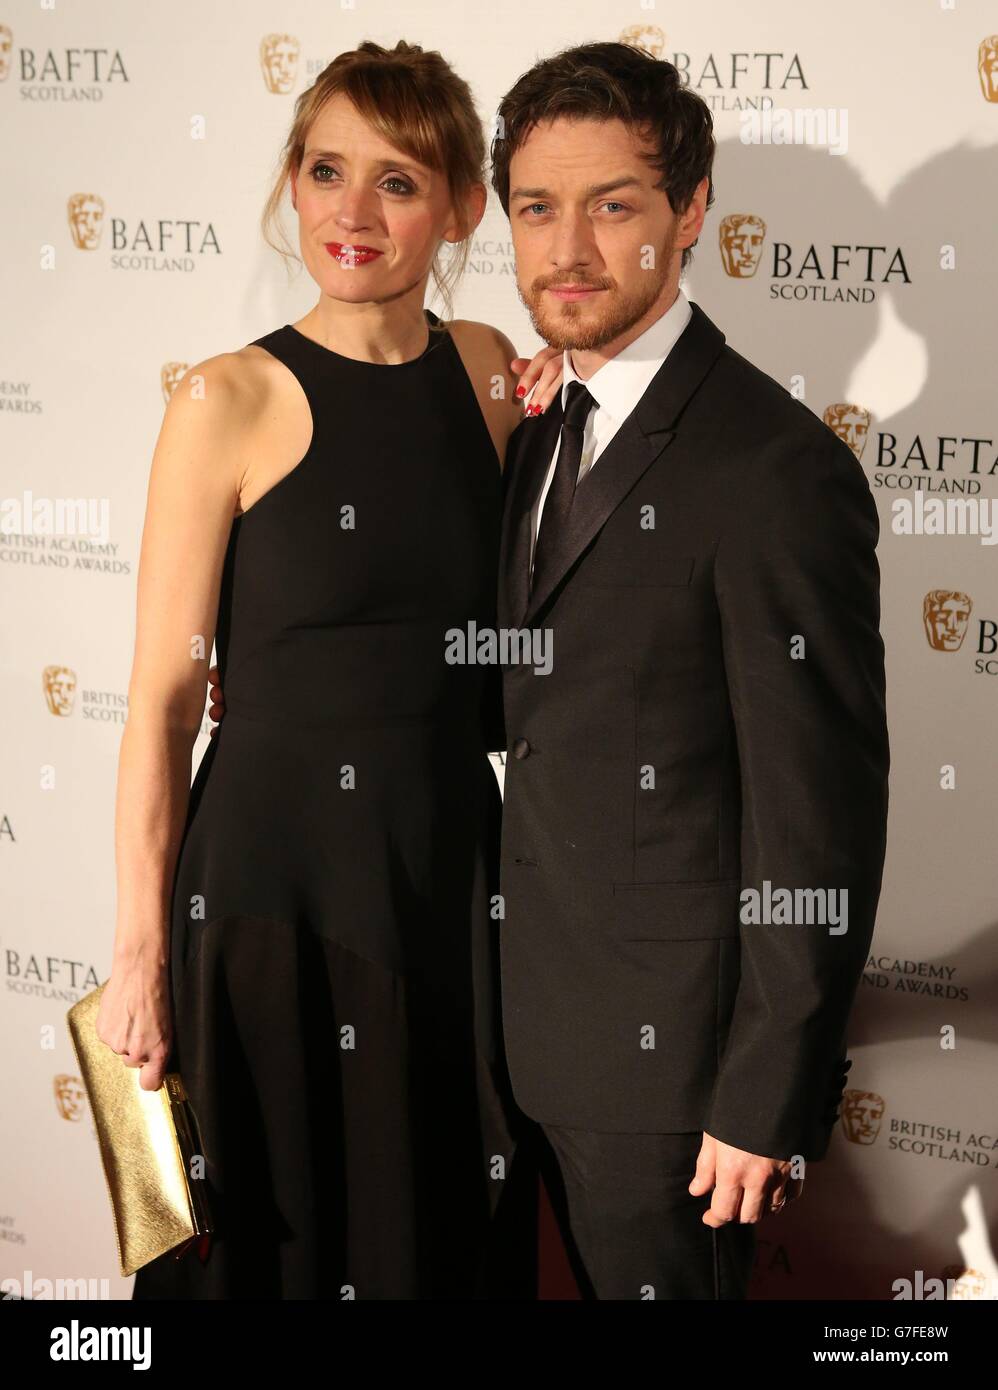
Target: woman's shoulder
231,384
486,353
482,340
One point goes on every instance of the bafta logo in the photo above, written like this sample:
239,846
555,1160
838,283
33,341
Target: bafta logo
59,684
6,49
169,376
862,1112
279,61
70,1097
648,37
851,423
86,218
945,615
741,235
987,67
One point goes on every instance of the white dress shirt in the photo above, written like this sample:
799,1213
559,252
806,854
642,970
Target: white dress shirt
616,387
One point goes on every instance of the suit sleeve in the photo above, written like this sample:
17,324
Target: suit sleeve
798,592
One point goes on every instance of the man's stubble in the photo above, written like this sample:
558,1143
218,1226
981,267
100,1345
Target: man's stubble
566,328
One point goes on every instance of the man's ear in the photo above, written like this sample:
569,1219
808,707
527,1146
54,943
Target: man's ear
691,221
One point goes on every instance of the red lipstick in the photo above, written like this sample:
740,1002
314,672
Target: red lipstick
351,254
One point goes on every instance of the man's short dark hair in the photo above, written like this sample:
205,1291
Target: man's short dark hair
613,81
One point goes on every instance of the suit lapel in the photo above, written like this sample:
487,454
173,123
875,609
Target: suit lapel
527,457
640,440
598,495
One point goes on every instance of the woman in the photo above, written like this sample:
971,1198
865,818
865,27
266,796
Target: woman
308,935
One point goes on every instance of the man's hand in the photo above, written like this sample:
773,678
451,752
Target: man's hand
746,1186
216,710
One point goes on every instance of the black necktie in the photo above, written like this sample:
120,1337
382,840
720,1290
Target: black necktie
558,502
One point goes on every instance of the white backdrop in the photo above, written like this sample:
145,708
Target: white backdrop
164,120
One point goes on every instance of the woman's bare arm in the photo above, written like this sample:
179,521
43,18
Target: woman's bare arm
493,366
193,494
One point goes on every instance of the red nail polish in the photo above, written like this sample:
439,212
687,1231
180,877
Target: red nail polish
521,391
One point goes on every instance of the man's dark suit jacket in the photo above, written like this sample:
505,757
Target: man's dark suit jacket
678,753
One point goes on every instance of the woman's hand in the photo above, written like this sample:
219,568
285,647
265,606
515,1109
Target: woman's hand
540,373
134,1018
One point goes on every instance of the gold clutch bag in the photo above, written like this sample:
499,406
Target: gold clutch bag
147,1140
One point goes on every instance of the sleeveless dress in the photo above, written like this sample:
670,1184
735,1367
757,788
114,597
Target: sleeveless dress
334,947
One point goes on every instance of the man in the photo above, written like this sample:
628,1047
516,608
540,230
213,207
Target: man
711,740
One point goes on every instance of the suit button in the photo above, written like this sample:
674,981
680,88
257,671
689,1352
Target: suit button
521,748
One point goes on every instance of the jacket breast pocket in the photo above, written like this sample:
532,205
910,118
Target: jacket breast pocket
676,911
644,563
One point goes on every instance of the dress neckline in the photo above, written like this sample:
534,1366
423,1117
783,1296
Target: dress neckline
428,314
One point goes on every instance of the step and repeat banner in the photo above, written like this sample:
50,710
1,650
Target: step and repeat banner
850,253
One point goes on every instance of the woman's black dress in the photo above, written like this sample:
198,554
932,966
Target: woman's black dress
334,924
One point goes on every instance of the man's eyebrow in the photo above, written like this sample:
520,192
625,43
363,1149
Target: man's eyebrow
595,190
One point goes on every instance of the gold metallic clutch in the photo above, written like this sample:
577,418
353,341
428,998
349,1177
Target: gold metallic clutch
147,1140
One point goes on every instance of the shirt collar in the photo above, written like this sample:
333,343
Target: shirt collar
619,384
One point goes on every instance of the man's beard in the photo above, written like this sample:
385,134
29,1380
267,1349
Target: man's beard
566,328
